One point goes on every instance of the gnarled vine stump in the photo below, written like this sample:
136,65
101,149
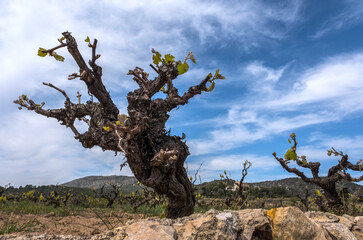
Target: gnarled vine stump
155,157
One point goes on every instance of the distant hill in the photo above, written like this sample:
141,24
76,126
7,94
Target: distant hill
296,185
293,186
128,184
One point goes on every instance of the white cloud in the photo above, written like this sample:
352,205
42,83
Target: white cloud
349,145
123,43
37,150
324,93
262,79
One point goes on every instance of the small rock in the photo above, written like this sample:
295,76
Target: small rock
51,214
339,231
322,217
254,222
357,229
291,223
227,225
200,228
151,230
224,216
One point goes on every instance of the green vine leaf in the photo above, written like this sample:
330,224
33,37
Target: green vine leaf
211,87
182,67
156,58
169,58
87,40
221,77
290,155
41,53
58,57
217,75
61,39
163,89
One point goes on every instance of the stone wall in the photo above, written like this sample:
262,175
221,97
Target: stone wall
249,224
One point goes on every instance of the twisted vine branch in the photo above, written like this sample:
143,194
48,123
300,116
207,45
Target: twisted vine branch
335,173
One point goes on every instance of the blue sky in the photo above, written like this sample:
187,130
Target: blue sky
290,66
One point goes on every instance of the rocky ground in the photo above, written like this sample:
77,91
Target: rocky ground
249,224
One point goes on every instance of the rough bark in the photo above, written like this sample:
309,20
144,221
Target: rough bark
155,157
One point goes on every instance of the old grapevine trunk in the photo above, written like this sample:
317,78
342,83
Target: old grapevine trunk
330,192
155,157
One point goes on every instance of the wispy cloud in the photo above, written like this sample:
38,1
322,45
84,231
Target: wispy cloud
237,134
349,145
350,15
233,164
264,78
316,152
271,100
125,43
265,74
334,84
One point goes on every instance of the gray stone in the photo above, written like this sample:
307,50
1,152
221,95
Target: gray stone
254,222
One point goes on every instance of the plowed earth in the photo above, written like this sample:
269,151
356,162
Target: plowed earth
87,224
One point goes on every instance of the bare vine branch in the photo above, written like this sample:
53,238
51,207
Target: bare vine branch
60,90
335,173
